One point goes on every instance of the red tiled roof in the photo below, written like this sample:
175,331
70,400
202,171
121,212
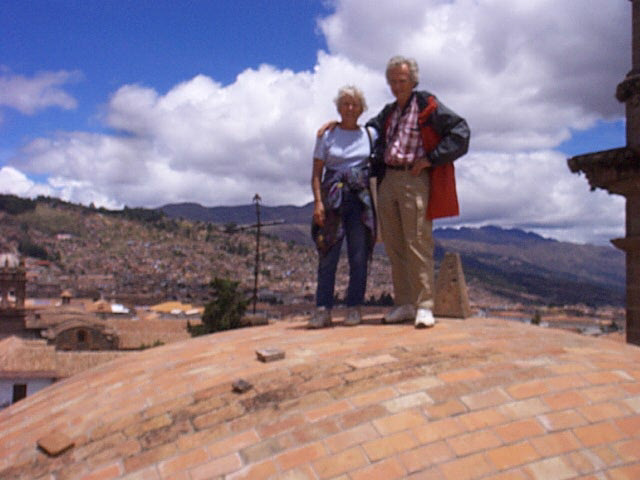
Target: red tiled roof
19,356
35,359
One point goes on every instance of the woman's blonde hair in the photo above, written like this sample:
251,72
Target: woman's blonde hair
351,91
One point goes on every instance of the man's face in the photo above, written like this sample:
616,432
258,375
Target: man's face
400,82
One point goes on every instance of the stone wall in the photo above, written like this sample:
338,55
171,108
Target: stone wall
85,338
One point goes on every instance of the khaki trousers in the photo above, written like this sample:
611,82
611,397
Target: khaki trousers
407,236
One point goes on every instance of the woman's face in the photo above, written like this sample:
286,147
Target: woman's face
349,108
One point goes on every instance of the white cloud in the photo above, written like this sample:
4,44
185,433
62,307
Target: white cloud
523,72
535,191
29,95
14,182
204,142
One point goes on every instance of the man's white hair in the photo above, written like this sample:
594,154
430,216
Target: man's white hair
398,61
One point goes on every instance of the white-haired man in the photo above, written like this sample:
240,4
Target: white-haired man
418,140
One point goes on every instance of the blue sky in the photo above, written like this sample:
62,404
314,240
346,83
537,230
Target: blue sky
154,43
159,42
604,135
144,103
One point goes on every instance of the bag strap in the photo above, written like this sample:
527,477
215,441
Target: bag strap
370,141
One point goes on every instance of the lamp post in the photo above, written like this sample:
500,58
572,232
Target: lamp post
256,200
257,225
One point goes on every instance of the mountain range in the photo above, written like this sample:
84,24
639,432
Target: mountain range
509,263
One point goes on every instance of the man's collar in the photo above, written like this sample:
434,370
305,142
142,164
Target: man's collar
408,104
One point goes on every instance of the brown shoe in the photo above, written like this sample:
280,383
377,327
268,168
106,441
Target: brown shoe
353,317
401,313
321,318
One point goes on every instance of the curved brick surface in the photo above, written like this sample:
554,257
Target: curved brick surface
480,398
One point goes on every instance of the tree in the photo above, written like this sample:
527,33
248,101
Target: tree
28,248
15,205
224,311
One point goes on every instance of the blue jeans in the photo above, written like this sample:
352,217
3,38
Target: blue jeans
357,237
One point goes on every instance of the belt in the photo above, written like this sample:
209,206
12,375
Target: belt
404,168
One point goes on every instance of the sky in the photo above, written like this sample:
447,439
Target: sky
143,103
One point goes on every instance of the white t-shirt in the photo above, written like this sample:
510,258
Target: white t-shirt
341,149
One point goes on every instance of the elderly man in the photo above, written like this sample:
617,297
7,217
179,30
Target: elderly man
418,140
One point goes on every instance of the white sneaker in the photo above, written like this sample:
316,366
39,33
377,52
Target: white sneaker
424,318
401,313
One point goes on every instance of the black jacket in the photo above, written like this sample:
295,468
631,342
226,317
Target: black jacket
451,130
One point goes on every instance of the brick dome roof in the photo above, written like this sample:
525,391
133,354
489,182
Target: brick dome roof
481,398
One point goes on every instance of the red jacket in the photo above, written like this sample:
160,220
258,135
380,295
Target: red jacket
445,137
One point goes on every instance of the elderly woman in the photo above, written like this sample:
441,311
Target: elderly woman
343,207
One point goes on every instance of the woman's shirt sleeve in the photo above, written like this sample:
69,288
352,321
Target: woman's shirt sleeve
320,148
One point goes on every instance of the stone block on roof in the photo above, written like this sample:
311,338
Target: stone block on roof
451,296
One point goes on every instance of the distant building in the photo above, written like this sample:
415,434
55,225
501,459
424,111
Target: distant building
79,334
41,343
65,326
13,281
26,366
66,297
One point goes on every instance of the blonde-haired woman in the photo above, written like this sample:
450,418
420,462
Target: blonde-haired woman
343,207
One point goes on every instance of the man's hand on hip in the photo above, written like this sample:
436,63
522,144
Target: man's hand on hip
420,165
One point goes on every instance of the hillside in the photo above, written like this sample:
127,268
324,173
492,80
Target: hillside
139,256
142,256
511,264
241,214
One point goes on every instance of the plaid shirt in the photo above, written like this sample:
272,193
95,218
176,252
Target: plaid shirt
405,146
